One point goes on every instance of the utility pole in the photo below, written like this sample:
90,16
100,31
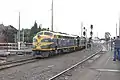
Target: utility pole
116,30
7,38
15,39
23,35
81,32
86,38
81,28
97,34
119,26
52,17
19,33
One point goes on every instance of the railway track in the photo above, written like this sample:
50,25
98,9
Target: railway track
45,70
61,74
17,63
14,63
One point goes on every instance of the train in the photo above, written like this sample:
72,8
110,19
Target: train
49,43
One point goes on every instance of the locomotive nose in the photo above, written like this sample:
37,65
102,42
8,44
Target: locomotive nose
39,36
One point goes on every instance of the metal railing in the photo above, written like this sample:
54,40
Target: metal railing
4,46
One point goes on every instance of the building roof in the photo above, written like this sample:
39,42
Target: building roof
2,27
9,27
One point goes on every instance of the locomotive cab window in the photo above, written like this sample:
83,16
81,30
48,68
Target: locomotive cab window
34,40
48,33
40,33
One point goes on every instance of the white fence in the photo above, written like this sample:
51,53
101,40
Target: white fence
4,46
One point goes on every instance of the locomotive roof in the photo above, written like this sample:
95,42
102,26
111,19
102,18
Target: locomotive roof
47,31
60,34
66,35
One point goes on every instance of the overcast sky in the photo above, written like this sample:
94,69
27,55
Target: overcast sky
68,14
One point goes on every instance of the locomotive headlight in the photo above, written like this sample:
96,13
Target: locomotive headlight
34,43
33,46
34,40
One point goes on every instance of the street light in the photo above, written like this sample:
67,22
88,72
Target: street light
19,33
52,16
86,38
7,37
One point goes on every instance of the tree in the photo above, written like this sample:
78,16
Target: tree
43,29
33,31
39,29
107,36
26,35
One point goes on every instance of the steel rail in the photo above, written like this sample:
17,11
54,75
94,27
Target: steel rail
17,63
57,75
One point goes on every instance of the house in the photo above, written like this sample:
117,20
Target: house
7,33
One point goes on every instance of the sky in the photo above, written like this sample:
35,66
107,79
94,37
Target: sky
68,15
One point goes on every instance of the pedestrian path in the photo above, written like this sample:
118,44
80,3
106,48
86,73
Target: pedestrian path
107,68
103,68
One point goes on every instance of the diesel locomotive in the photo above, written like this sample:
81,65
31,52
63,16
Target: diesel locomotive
48,43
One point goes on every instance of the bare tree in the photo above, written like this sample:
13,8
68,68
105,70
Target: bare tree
107,36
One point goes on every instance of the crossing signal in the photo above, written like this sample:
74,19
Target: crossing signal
78,37
113,37
84,28
91,26
91,33
90,38
84,33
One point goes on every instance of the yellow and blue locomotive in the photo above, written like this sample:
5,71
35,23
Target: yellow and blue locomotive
48,43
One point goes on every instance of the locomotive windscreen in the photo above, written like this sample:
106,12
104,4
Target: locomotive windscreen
48,33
